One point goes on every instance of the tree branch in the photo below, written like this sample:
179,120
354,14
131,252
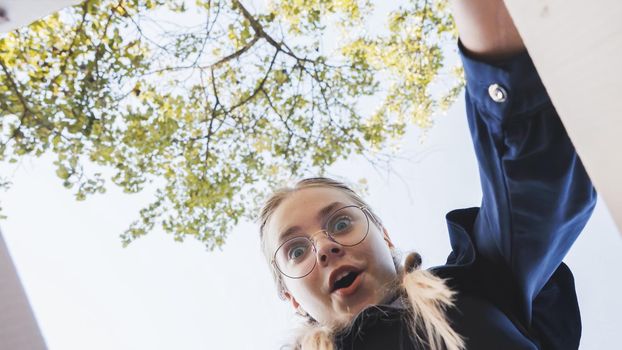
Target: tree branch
27,110
15,89
258,28
73,41
233,55
259,86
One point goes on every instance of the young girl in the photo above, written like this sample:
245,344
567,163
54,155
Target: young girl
504,285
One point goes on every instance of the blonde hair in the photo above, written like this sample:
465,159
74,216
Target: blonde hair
425,295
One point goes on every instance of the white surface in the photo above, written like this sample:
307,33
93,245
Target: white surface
577,49
18,328
24,12
89,293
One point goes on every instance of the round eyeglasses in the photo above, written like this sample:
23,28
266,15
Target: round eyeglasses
296,257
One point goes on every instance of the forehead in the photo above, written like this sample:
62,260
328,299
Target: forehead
300,208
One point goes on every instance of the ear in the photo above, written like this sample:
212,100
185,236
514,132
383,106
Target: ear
386,237
292,300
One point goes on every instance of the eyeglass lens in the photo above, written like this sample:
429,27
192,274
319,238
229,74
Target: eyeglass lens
347,226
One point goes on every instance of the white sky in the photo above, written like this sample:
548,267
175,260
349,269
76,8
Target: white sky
89,293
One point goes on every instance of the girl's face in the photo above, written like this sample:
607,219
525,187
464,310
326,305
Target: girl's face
370,261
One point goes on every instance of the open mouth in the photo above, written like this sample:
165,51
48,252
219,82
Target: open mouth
345,281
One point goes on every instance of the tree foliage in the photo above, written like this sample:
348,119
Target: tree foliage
212,102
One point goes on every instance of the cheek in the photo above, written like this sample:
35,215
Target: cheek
379,254
307,293
306,290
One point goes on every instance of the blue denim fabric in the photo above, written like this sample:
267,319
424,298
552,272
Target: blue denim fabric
513,291
537,197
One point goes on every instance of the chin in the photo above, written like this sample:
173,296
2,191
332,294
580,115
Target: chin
368,295
356,308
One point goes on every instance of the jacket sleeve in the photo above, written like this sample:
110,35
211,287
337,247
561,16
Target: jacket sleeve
537,196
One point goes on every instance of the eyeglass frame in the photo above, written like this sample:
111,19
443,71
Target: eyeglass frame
365,211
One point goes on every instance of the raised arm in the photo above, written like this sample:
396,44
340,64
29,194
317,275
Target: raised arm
537,196
486,29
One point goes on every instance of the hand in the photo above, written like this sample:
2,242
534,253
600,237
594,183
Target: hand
486,29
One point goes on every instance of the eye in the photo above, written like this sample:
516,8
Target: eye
296,253
341,224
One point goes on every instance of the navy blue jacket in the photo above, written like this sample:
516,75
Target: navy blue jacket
514,292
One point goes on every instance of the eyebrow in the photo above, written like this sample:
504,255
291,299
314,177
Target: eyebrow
320,215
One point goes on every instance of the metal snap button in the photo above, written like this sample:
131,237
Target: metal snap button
497,93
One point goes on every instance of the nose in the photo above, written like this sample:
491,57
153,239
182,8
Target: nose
327,249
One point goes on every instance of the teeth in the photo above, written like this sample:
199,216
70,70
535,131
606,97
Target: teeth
342,275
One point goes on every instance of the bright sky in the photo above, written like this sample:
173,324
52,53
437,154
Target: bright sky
88,292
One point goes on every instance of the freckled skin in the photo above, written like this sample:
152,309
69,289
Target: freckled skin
372,256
